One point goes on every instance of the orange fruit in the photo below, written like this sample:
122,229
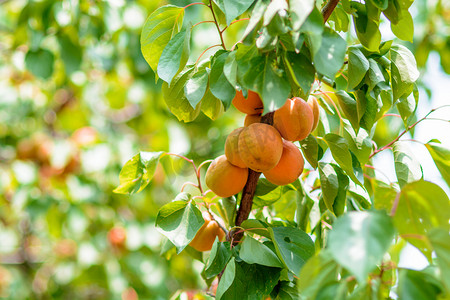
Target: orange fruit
225,179
288,168
250,119
260,147
204,239
251,106
294,120
232,150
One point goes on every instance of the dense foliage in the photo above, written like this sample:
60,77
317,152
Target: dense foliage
87,86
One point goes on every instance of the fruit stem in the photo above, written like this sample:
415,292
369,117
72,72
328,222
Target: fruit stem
196,171
201,165
217,24
186,184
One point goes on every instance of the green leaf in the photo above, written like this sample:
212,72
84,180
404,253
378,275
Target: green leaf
407,167
359,240
218,258
229,207
269,81
137,172
218,84
330,57
384,195
174,56
267,193
381,4
256,226
71,53
440,240
406,106
416,285
404,29
294,247
233,8
369,109
266,40
340,18
422,206
350,108
230,69
301,70
244,55
211,106
179,221
159,28
441,157
196,86
310,149
317,273
391,12
383,93
176,99
256,16
254,252
300,10
40,63
273,9
304,207
375,75
403,71
359,144
329,184
334,290
358,65
313,29
334,185
228,277
244,281
360,196
284,291
367,29
341,154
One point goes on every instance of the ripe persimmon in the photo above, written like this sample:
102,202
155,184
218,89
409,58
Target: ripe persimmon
260,146
288,168
224,178
294,120
251,105
232,150
204,239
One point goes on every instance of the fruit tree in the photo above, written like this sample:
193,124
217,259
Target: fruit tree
297,208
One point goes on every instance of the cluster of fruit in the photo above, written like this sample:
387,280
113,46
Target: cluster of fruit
262,147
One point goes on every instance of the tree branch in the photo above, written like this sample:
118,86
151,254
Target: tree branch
328,9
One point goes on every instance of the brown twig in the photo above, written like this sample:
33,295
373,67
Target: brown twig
328,9
404,131
217,24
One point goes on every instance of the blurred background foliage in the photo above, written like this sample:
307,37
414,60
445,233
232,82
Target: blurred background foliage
77,100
